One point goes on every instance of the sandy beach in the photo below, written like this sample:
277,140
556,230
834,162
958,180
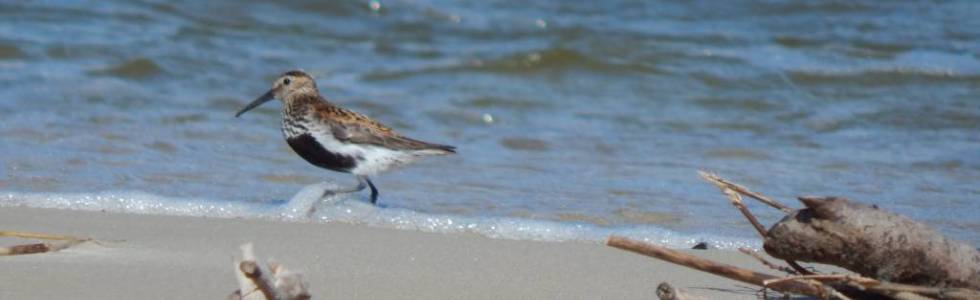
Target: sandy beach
164,257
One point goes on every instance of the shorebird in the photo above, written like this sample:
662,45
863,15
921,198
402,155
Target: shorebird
338,139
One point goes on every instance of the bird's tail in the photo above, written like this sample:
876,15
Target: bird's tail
437,149
426,148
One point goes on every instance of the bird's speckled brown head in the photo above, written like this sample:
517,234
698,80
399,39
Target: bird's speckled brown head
290,86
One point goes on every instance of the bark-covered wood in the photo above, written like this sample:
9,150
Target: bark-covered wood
873,243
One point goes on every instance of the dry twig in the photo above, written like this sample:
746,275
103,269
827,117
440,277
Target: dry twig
735,273
277,284
889,288
745,191
66,241
769,264
35,235
732,191
254,273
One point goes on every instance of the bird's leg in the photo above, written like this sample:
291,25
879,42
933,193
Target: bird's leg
362,182
360,187
374,190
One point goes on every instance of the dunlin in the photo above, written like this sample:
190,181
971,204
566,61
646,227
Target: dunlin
338,139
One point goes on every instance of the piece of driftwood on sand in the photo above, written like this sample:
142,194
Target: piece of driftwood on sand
866,240
906,259
720,269
874,243
63,242
278,283
733,192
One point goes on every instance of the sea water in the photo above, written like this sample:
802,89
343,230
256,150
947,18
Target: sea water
573,120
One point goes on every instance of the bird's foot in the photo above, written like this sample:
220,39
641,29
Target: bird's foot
326,194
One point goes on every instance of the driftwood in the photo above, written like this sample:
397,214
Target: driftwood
733,191
873,243
767,263
896,290
65,241
907,260
720,269
734,187
833,286
863,239
256,284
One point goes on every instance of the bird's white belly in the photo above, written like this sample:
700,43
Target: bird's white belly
371,159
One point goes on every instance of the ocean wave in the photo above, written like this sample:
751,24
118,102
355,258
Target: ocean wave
530,62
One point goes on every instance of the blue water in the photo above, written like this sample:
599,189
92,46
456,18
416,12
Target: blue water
573,119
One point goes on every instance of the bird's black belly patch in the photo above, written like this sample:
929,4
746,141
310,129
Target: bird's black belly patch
308,148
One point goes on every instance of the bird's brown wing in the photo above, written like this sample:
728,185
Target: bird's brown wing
351,127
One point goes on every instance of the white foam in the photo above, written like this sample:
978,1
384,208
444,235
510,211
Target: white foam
348,209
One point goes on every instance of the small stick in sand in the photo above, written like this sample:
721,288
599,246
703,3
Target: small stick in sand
732,272
256,284
35,235
254,273
68,241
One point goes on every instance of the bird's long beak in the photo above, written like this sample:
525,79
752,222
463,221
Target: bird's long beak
258,101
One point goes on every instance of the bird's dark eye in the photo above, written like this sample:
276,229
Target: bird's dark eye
285,81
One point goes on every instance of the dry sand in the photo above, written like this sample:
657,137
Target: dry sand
164,257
